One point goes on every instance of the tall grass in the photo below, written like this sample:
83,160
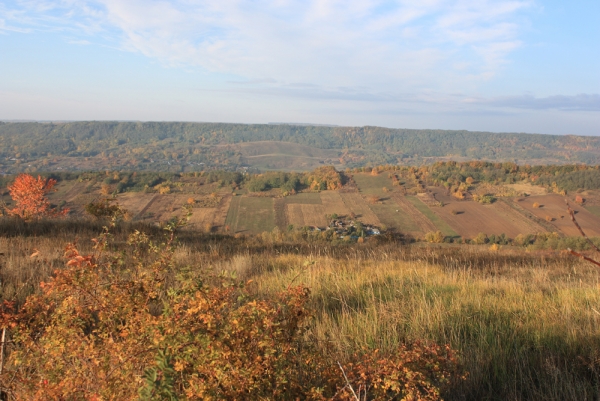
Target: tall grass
527,329
527,324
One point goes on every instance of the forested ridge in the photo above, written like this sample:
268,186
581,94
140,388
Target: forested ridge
203,143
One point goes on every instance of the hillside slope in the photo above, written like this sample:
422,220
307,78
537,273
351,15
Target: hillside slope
177,146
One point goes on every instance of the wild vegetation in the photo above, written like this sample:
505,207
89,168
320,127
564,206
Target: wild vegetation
254,307
273,317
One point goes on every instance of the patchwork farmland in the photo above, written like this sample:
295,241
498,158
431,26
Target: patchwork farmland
374,200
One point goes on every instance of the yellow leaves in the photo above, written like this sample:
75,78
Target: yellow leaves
179,366
106,332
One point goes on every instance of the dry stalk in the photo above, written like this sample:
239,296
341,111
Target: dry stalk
2,351
348,382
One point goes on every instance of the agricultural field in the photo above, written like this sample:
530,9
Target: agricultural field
282,156
553,209
373,201
470,218
595,210
516,311
427,211
251,215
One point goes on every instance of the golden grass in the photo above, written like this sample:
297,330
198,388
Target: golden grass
525,332
526,324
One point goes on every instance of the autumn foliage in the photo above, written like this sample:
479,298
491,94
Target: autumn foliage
29,194
130,327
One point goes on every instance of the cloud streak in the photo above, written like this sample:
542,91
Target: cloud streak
380,43
581,102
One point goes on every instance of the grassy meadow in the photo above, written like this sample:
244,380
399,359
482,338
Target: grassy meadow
526,324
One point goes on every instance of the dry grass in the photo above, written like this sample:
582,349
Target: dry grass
526,328
527,324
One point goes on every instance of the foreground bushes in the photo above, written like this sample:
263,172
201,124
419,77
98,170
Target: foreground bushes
131,326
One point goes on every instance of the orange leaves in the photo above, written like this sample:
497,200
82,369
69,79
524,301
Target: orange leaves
123,327
29,194
75,259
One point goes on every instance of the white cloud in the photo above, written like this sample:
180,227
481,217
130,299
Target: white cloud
383,44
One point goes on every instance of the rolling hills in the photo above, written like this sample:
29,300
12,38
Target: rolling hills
182,147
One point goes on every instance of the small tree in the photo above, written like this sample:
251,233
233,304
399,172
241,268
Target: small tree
104,209
480,239
436,237
29,194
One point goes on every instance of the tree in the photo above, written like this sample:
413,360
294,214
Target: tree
104,209
436,237
29,194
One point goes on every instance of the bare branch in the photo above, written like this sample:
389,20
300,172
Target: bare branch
583,257
348,382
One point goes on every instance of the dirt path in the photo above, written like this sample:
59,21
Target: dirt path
140,215
221,213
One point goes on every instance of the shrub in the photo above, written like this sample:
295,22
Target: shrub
373,199
480,239
118,327
435,237
536,205
487,199
104,209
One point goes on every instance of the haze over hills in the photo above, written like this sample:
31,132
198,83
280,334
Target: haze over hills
178,146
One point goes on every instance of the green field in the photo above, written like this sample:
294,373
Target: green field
252,215
594,210
372,184
391,219
435,219
386,212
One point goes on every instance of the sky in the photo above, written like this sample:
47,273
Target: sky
500,65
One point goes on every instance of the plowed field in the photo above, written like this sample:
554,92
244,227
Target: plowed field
306,215
497,218
333,203
555,208
356,203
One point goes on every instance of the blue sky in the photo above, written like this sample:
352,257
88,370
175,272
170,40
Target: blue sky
503,65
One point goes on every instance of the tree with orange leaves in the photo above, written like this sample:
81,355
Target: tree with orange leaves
29,194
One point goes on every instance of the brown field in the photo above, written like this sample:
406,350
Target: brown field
306,215
136,203
554,206
75,191
333,203
357,204
221,212
497,218
201,218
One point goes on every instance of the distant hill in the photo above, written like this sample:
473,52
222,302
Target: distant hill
177,146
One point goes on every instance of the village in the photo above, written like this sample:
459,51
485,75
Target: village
347,226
